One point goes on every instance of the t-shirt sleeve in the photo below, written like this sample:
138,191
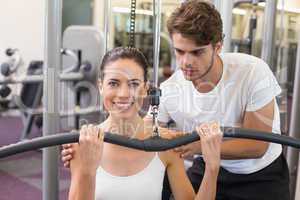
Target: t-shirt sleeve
163,115
262,87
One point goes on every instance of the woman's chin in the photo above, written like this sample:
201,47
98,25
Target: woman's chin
124,115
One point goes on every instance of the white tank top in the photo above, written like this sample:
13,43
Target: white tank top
146,184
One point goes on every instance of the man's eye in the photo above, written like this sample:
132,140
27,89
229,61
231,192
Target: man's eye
198,53
179,51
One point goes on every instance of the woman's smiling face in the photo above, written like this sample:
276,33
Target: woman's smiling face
123,88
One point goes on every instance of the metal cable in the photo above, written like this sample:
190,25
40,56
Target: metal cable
132,24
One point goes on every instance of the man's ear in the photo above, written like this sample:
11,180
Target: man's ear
218,47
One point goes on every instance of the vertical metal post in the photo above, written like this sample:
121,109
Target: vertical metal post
156,39
295,125
107,10
53,24
225,9
269,32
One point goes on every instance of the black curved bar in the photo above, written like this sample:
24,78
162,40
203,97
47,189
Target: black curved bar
150,144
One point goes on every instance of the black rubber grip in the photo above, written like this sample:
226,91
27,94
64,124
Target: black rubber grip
150,144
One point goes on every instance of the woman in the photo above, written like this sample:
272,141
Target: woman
106,171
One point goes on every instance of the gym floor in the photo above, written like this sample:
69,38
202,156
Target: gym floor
22,173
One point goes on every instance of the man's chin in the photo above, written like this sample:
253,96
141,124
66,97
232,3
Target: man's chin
189,78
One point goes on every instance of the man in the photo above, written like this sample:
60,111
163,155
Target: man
234,89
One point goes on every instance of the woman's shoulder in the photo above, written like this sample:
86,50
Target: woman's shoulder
169,157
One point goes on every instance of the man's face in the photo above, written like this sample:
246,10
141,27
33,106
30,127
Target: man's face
193,60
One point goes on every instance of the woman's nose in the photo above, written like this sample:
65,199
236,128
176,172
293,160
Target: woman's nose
124,91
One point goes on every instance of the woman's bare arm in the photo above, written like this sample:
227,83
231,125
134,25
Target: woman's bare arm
86,160
211,139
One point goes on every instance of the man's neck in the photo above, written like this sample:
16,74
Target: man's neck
210,81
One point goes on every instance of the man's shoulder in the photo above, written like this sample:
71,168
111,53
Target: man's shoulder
244,63
174,85
177,77
241,58
255,71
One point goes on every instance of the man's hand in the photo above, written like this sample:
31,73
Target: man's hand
169,134
189,150
185,151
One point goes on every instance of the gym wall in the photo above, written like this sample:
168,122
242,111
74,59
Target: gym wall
22,27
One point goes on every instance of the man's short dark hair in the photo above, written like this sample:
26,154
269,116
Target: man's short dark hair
197,20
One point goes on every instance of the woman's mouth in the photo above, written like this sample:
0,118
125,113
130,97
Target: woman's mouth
122,105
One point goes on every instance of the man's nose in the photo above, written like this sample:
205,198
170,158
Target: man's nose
186,60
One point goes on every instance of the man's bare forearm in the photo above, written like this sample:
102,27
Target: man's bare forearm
238,148
243,149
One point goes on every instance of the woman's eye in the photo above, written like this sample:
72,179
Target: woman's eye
134,84
113,84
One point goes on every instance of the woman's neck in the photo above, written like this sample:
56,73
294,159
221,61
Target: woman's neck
133,128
